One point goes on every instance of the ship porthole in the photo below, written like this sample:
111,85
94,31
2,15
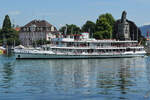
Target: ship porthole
18,56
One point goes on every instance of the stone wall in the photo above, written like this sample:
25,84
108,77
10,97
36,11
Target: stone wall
134,30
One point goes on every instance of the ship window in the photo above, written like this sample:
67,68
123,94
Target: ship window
18,56
128,49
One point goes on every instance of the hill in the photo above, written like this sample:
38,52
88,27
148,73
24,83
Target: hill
144,29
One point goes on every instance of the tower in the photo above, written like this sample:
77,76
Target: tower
124,28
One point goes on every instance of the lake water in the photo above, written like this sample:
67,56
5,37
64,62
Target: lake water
75,79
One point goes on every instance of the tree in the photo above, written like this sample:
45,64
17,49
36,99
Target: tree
70,29
89,26
110,19
103,29
98,35
41,42
6,23
104,26
8,35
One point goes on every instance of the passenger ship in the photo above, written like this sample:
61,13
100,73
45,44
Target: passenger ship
81,47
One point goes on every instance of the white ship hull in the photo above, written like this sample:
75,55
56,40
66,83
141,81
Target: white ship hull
65,56
83,50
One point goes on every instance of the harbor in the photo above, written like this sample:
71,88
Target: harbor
39,39
75,50
94,79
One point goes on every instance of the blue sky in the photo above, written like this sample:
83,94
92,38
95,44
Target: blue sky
60,12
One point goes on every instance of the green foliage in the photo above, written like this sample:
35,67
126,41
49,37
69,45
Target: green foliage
9,37
7,34
98,35
142,41
6,23
110,19
1,42
104,26
41,42
71,29
89,26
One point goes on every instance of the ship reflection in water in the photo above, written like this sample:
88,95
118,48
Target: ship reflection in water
89,79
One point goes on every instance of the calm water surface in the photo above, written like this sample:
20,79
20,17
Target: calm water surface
80,79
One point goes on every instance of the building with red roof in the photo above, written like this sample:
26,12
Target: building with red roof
36,30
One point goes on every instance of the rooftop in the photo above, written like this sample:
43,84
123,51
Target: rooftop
38,23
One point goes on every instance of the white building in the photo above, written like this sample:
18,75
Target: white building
36,30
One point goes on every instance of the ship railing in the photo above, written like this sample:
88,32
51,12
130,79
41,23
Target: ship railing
87,53
98,47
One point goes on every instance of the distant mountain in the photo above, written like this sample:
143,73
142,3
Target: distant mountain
144,29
